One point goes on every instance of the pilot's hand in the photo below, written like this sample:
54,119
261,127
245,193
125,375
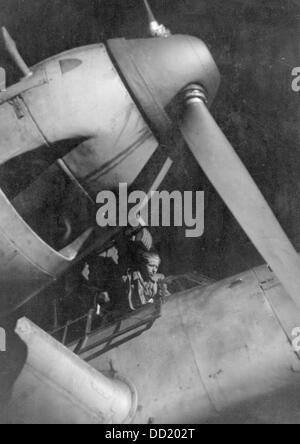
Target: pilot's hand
103,298
163,291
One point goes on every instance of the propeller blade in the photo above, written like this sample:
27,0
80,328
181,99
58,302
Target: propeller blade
150,14
233,182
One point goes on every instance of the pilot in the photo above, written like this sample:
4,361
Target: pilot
128,245
104,271
143,284
128,279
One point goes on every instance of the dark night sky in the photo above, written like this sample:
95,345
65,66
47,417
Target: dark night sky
255,44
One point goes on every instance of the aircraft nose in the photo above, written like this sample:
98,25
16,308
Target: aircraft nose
157,69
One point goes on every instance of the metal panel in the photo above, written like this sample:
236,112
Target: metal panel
18,132
27,263
217,349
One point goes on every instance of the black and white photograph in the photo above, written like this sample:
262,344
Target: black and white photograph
149,214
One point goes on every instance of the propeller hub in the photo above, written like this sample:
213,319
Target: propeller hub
195,94
157,70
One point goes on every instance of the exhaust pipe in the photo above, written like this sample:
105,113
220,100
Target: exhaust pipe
57,387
